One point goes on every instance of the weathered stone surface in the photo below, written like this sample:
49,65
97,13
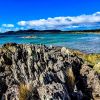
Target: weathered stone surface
92,81
54,91
37,72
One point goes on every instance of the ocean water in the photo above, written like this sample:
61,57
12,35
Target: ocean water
89,43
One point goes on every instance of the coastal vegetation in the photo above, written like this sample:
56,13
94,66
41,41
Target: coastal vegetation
23,91
92,59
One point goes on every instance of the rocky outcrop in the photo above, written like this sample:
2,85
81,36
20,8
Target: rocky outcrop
37,72
91,79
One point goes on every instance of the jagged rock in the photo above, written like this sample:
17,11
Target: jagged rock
9,44
3,88
65,51
92,81
61,76
12,93
54,91
45,73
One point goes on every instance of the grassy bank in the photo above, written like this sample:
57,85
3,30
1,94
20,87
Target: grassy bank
92,59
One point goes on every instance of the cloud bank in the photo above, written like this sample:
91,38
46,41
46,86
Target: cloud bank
7,25
64,23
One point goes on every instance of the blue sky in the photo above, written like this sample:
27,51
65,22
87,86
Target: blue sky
49,14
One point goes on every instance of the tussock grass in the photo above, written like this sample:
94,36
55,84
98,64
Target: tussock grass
92,59
24,90
71,78
97,67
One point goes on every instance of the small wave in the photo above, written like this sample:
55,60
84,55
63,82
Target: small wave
96,38
29,37
90,38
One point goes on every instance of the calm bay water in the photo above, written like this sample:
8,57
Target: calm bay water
89,43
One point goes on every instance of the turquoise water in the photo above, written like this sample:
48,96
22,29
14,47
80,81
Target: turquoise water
89,43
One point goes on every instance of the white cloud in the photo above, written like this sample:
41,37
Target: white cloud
22,23
62,22
0,30
7,25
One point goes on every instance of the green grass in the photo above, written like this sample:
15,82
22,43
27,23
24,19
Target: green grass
91,59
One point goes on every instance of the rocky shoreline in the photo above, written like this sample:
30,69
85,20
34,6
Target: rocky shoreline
37,72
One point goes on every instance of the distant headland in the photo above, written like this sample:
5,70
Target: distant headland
52,31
